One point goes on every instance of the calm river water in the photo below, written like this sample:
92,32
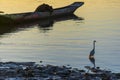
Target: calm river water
67,41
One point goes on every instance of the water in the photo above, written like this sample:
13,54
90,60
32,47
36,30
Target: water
67,41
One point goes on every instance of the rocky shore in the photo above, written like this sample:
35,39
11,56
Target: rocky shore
33,71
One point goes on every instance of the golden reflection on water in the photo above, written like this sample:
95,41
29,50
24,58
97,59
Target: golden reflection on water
67,38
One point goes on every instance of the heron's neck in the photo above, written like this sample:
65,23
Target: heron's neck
94,45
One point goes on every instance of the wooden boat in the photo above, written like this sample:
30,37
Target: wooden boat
30,16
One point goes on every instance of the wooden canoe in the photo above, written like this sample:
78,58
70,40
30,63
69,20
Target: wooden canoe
30,16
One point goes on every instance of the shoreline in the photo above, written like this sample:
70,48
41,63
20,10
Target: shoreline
33,71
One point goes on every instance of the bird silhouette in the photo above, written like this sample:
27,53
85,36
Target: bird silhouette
91,55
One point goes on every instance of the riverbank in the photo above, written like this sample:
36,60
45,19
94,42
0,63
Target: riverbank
33,71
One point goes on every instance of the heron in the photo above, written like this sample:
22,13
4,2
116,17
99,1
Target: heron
91,55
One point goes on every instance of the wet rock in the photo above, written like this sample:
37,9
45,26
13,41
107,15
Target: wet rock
32,71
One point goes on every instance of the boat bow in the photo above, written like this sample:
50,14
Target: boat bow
76,5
